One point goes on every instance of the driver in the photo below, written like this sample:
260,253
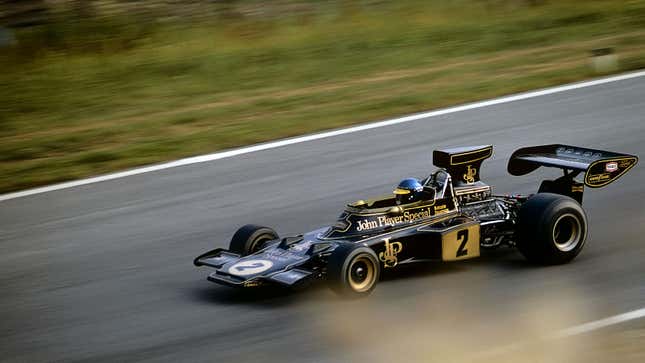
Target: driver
409,190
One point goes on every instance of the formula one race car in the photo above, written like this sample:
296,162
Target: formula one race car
450,215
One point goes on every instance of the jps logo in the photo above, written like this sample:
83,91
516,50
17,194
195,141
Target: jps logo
469,177
388,257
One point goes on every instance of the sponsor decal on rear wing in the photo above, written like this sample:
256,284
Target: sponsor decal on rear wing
599,167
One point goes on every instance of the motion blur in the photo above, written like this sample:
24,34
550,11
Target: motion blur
103,272
92,86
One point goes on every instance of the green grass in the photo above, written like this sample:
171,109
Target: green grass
81,98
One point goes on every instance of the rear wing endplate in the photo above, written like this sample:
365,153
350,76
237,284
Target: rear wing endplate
599,167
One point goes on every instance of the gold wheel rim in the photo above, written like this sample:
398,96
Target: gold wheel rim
362,274
567,232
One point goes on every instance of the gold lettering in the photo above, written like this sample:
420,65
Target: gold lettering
388,257
382,221
599,177
469,177
625,163
366,224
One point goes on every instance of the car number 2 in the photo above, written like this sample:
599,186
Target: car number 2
463,237
460,242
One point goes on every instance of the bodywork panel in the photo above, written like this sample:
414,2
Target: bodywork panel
446,237
363,220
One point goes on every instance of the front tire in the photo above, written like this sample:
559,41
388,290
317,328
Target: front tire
353,270
251,238
552,229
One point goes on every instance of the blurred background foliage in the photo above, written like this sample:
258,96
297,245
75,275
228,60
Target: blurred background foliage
92,86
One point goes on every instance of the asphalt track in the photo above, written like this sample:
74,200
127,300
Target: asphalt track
103,272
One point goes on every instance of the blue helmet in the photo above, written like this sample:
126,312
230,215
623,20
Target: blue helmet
409,190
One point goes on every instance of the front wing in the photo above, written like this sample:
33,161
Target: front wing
224,261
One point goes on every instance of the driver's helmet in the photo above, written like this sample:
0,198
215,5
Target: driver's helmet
409,190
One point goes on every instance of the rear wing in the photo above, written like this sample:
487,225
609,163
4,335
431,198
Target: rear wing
599,167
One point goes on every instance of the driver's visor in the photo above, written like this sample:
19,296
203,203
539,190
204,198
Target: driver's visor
401,191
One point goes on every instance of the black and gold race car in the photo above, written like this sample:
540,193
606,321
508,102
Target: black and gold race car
448,216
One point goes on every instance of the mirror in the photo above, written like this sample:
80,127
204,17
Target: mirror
395,210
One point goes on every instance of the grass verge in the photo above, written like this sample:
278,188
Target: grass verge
181,89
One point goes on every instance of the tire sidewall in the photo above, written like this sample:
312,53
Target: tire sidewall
536,225
549,224
250,239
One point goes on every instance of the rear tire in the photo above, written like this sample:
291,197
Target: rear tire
250,239
551,229
353,270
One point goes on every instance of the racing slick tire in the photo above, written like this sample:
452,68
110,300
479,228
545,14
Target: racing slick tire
251,238
552,229
353,270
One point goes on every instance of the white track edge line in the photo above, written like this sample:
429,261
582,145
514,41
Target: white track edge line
598,324
322,135
566,333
